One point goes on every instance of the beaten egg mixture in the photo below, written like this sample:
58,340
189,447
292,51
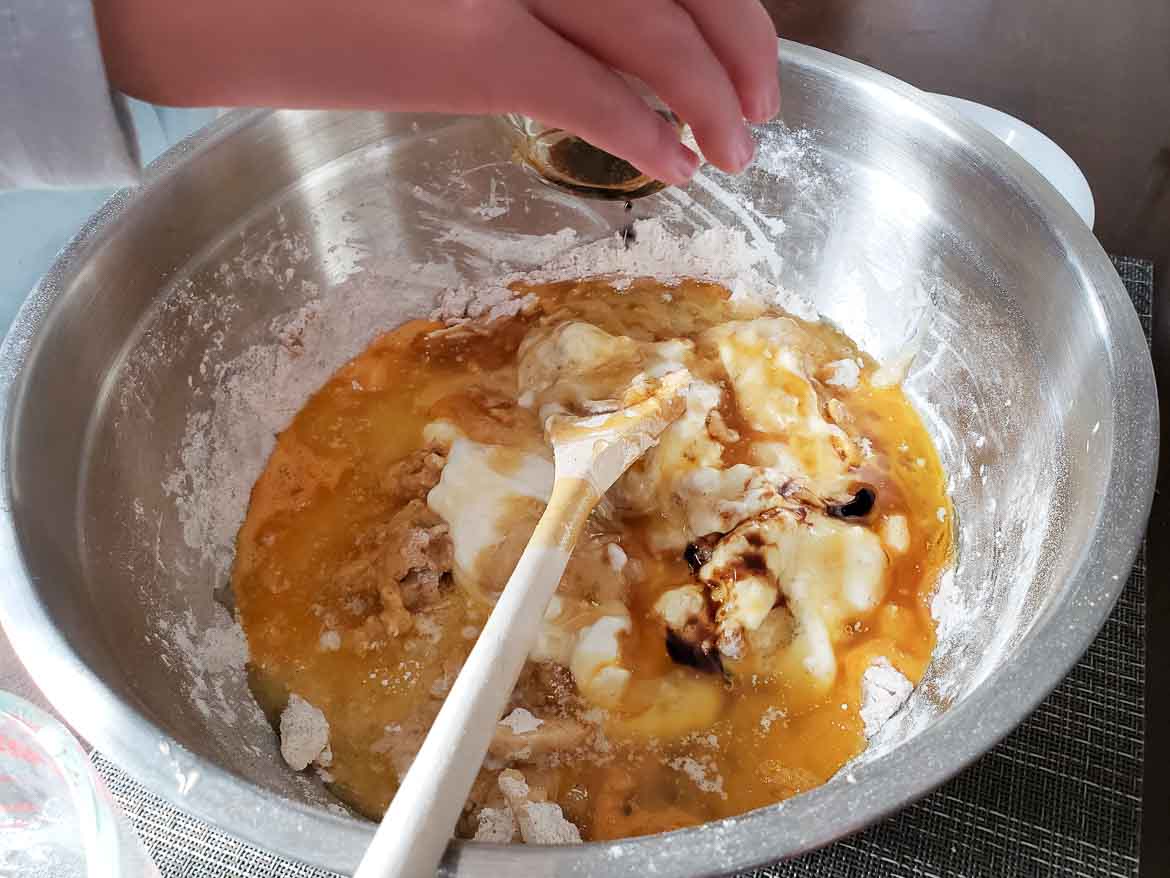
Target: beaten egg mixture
706,650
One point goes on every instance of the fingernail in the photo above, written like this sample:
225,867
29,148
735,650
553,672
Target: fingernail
745,148
762,109
685,164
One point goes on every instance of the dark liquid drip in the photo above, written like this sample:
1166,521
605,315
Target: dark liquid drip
629,236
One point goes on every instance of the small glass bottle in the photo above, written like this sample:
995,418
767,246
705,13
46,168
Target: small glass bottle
572,163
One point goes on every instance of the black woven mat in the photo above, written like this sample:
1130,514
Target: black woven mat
1061,796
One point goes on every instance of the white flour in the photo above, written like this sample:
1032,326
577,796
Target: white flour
224,646
522,721
721,255
704,775
883,692
771,715
496,826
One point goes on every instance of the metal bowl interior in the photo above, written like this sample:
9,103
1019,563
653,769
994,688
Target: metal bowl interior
895,214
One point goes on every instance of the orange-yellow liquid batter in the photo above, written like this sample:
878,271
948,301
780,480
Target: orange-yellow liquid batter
325,493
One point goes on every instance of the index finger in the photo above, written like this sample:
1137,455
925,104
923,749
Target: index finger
743,38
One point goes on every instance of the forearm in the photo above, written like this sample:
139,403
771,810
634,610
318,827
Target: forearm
269,53
712,61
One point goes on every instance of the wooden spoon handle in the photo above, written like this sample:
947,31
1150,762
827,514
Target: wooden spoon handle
417,826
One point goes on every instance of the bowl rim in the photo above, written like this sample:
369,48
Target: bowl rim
1059,635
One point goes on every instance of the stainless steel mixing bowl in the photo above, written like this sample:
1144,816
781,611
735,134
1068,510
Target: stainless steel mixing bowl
890,212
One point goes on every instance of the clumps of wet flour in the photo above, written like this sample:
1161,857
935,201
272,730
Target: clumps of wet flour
304,735
534,820
883,692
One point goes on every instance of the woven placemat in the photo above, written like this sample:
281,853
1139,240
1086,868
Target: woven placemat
1061,796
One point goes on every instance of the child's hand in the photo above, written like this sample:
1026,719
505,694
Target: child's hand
712,61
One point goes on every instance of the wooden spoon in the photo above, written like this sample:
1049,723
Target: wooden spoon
589,454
